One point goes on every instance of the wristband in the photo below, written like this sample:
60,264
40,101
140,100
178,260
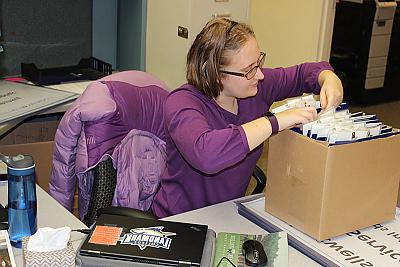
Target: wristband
274,122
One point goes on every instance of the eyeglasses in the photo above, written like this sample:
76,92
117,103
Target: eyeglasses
252,72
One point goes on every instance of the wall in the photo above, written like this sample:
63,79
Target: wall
131,34
168,66
166,51
104,41
119,33
47,33
293,31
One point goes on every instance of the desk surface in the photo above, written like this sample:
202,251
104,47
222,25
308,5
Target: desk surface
220,217
50,214
224,217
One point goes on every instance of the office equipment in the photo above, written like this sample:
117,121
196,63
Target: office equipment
366,49
373,246
124,211
87,69
145,240
254,254
241,249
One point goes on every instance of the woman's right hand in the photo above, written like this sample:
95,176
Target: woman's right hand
295,117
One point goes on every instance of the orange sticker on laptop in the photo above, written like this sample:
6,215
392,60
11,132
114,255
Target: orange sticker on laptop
105,235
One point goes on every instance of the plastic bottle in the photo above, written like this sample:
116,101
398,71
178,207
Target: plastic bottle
22,201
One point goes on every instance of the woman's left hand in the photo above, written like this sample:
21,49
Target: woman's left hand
331,89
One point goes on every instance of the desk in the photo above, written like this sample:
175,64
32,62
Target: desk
7,126
50,214
223,217
219,217
77,87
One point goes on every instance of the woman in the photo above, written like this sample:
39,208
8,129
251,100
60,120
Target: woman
216,124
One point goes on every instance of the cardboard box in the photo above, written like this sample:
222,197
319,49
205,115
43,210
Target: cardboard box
42,154
326,191
35,137
38,130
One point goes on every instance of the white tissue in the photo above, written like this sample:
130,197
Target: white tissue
49,239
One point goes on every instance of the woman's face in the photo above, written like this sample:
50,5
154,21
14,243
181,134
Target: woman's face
242,61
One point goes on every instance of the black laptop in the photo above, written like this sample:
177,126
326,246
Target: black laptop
146,241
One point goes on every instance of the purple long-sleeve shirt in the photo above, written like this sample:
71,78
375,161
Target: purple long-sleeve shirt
208,157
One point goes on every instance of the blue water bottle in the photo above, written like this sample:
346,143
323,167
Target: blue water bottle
22,208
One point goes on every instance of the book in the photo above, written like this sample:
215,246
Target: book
6,254
229,246
377,245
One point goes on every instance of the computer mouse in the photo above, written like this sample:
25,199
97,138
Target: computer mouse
254,254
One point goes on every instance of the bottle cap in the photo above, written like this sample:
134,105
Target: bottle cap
20,161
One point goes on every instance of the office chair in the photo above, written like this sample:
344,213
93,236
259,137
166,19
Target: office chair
104,187
97,179
107,112
261,180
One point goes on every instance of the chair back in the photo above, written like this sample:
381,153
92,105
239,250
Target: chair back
103,189
139,104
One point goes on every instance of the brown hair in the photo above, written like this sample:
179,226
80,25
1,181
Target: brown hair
212,50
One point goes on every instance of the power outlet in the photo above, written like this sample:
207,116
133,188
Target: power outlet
183,32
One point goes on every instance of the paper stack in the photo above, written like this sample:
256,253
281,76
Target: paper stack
337,125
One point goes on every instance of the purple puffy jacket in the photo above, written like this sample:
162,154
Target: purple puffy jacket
119,116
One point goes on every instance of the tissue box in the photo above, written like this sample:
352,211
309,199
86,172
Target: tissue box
63,257
326,191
